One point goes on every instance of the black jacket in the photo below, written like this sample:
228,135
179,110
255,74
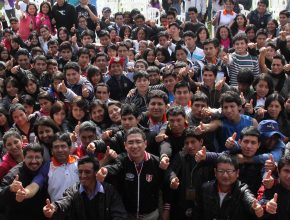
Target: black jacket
108,205
119,91
237,205
65,16
14,209
138,189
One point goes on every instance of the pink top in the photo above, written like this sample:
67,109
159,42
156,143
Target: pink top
7,163
24,29
226,43
42,19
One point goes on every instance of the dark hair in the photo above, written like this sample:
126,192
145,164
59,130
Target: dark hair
49,8
97,103
213,41
14,107
89,33
11,133
122,31
181,84
65,30
66,45
245,75
194,9
240,37
65,137
212,68
218,35
93,71
225,158
266,78
13,81
200,30
285,12
33,4
116,103
234,27
157,94
284,161
45,95
35,147
175,111
52,42
104,33
20,52
140,74
146,52
275,97
189,133
47,122
261,31
129,109
87,126
153,69
189,34
27,99
230,96
89,159
250,131
199,97
280,57
84,51
164,52
81,103
72,65
57,107
134,130
174,24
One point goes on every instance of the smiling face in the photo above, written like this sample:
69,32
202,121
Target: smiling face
13,146
192,145
45,134
226,174
249,145
87,175
156,107
33,160
60,151
135,145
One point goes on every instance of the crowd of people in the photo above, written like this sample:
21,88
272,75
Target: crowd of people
157,120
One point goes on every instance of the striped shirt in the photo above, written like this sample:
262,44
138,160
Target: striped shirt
237,62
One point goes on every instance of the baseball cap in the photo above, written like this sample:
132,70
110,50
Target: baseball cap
268,128
106,9
119,60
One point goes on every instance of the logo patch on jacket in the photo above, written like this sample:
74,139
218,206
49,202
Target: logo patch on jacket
149,178
129,176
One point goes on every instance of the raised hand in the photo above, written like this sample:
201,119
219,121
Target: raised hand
230,142
249,107
85,91
219,85
164,163
101,174
268,180
62,87
91,148
200,129
259,211
200,155
271,206
21,194
270,164
15,185
48,209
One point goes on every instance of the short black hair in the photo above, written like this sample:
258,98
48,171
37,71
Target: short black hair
212,68
71,65
230,96
35,147
65,137
246,76
157,94
134,130
89,159
181,84
175,111
199,97
129,109
240,37
189,132
140,74
250,131
225,158
284,161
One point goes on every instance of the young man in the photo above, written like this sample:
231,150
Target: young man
57,175
140,176
186,176
154,75
21,176
84,60
66,54
119,84
76,85
193,16
241,59
232,121
102,92
195,53
51,69
139,98
260,16
101,61
89,11
222,198
182,96
94,200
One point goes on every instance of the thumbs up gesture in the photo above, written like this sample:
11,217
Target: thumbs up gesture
21,194
110,153
164,162
62,87
101,174
85,91
259,211
268,180
200,129
261,112
219,85
200,155
249,107
15,100
230,142
15,185
73,29
49,209
270,164
271,206
91,148
197,90
174,183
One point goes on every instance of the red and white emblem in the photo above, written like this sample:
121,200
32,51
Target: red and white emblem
149,178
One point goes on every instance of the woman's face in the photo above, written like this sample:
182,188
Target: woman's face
127,33
4,55
14,45
77,113
3,119
11,89
141,35
45,134
34,40
142,47
229,6
62,35
97,114
160,56
131,55
271,26
251,35
19,117
13,146
28,109
95,79
224,33
274,109
44,33
113,34
115,114
262,88
59,117
31,10
31,87
202,35
151,57
45,9
240,21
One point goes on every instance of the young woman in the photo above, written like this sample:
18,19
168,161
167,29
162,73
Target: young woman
239,24
223,34
44,17
201,35
28,21
58,115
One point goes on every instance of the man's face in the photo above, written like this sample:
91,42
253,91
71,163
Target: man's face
249,145
174,31
154,78
116,69
210,51
196,108
23,61
119,20
40,66
53,48
261,40
87,40
169,83
87,175
226,174
84,59
33,160
287,105
189,42
182,96
52,69
129,121
139,66
139,22
277,66
164,22
106,14
270,142
101,62
72,76
122,51
192,145
87,137
176,123
170,19
60,151
14,25
102,93
142,84
209,78
283,19
135,145
66,54
105,40
230,110
261,8
240,46
192,15
156,107
284,176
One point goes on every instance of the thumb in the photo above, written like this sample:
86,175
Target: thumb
47,202
203,150
269,173
234,136
275,197
251,101
201,125
108,149
104,171
62,82
16,178
224,80
242,94
255,203
79,123
271,158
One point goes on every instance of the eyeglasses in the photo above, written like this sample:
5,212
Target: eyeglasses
222,172
34,158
